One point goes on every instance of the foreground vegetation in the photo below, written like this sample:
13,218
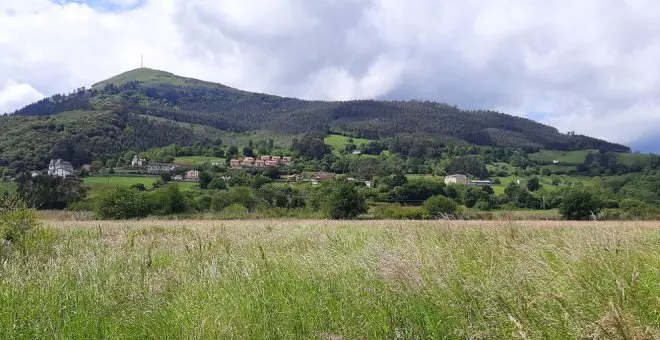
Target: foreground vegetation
332,280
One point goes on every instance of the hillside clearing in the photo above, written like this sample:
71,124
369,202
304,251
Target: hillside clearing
339,142
332,280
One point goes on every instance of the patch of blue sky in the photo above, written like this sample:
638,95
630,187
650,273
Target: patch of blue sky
106,5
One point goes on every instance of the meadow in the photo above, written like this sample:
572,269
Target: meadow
98,183
339,142
335,280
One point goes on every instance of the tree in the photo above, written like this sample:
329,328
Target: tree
311,145
248,152
399,179
121,203
468,165
439,206
232,151
533,184
166,177
48,192
205,179
578,204
217,184
345,202
139,187
167,201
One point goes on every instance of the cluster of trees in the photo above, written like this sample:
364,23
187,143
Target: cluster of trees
337,200
48,192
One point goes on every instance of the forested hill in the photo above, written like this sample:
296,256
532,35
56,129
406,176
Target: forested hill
147,108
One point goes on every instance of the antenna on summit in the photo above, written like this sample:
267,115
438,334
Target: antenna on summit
142,60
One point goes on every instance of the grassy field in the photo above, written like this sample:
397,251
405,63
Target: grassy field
566,157
339,142
5,186
99,183
199,160
335,280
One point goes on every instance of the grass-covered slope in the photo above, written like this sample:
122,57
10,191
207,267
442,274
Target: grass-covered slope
335,280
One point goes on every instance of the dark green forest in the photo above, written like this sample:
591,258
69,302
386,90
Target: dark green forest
144,108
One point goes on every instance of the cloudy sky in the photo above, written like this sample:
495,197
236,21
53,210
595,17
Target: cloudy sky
590,66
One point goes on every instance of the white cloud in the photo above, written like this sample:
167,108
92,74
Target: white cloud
589,66
14,95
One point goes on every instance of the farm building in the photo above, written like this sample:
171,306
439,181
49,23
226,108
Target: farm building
456,179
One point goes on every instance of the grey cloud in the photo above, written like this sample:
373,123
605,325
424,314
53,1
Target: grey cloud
587,66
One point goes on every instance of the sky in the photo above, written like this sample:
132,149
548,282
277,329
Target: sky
589,66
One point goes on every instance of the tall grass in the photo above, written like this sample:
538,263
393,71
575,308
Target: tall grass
334,280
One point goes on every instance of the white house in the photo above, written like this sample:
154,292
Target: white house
137,161
160,168
58,168
456,179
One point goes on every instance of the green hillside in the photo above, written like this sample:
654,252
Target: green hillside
146,108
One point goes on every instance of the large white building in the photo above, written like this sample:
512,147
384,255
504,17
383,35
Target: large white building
137,161
456,179
58,168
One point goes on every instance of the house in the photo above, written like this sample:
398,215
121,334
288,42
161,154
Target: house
35,173
225,177
456,179
58,168
277,159
235,163
87,167
482,183
287,160
177,178
160,168
555,161
216,164
265,158
368,184
192,175
259,163
271,163
248,161
294,177
521,182
356,152
138,161
322,176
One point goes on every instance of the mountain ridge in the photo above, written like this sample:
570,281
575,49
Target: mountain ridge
124,100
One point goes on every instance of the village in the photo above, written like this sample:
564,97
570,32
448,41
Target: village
182,172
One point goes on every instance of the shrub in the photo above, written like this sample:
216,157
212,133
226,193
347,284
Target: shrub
235,209
398,212
217,184
220,201
579,205
17,223
167,201
482,206
439,206
344,202
636,209
121,203
243,196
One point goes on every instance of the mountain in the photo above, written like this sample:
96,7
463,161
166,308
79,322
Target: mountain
147,108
